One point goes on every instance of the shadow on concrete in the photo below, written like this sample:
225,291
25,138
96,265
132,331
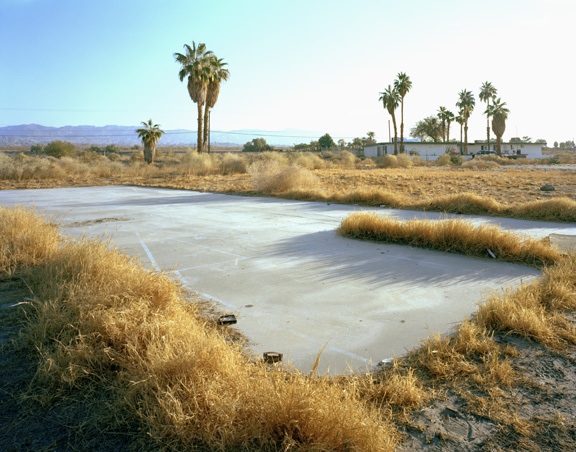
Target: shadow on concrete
334,258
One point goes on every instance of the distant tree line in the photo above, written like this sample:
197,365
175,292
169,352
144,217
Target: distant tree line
324,143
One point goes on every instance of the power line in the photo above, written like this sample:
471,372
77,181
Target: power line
169,133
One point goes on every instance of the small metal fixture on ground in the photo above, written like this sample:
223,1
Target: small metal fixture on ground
272,357
227,319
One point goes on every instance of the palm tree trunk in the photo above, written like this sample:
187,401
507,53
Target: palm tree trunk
395,135
498,145
200,142
488,124
148,153
461,143
447,131
402,126
465,138
206,125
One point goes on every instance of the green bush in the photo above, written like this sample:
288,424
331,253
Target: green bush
60,149
256,145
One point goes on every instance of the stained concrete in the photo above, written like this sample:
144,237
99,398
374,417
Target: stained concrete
279,266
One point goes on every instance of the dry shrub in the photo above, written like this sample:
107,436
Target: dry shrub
233,164
438,357
345,159
198,164
522,312
472,340
25,239
73,166
558,284
309,160
450,235
404,161
366,163
417,160
556,209
443,160
480,164
22,167
273,177
387,161
463,203
397,387
267,156
565,158
371,197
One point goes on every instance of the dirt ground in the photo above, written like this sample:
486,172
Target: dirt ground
506,184
544,399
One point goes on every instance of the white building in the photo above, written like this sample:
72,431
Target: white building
431,151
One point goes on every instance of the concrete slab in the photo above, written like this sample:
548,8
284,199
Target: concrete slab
278,265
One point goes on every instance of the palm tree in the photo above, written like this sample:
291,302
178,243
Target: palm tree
218,74
499,113
371,137
150,134
390,99
466,103
487,93
402,84
460,120
449,117
194,64
446,117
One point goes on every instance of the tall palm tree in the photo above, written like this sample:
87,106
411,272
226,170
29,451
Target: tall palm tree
218,74
466,103
487,93
446,117
449,117
150,134
499,114
402,84
460,120
195,65
390,99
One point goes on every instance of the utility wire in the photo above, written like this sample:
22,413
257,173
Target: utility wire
167,133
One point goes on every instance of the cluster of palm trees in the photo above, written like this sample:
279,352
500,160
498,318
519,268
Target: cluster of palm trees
393,96
204,73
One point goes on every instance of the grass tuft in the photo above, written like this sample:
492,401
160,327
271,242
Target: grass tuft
456,236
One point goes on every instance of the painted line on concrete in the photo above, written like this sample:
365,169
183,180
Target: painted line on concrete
148,253
211,298
334,349
180,278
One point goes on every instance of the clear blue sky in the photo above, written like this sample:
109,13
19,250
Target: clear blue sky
303,64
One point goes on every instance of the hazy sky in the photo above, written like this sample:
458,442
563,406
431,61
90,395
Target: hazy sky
304,64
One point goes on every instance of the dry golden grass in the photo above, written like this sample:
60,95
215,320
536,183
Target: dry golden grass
26,241
480,186
273,177
458,236
535,311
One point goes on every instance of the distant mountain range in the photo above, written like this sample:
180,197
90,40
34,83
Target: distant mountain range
29,134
